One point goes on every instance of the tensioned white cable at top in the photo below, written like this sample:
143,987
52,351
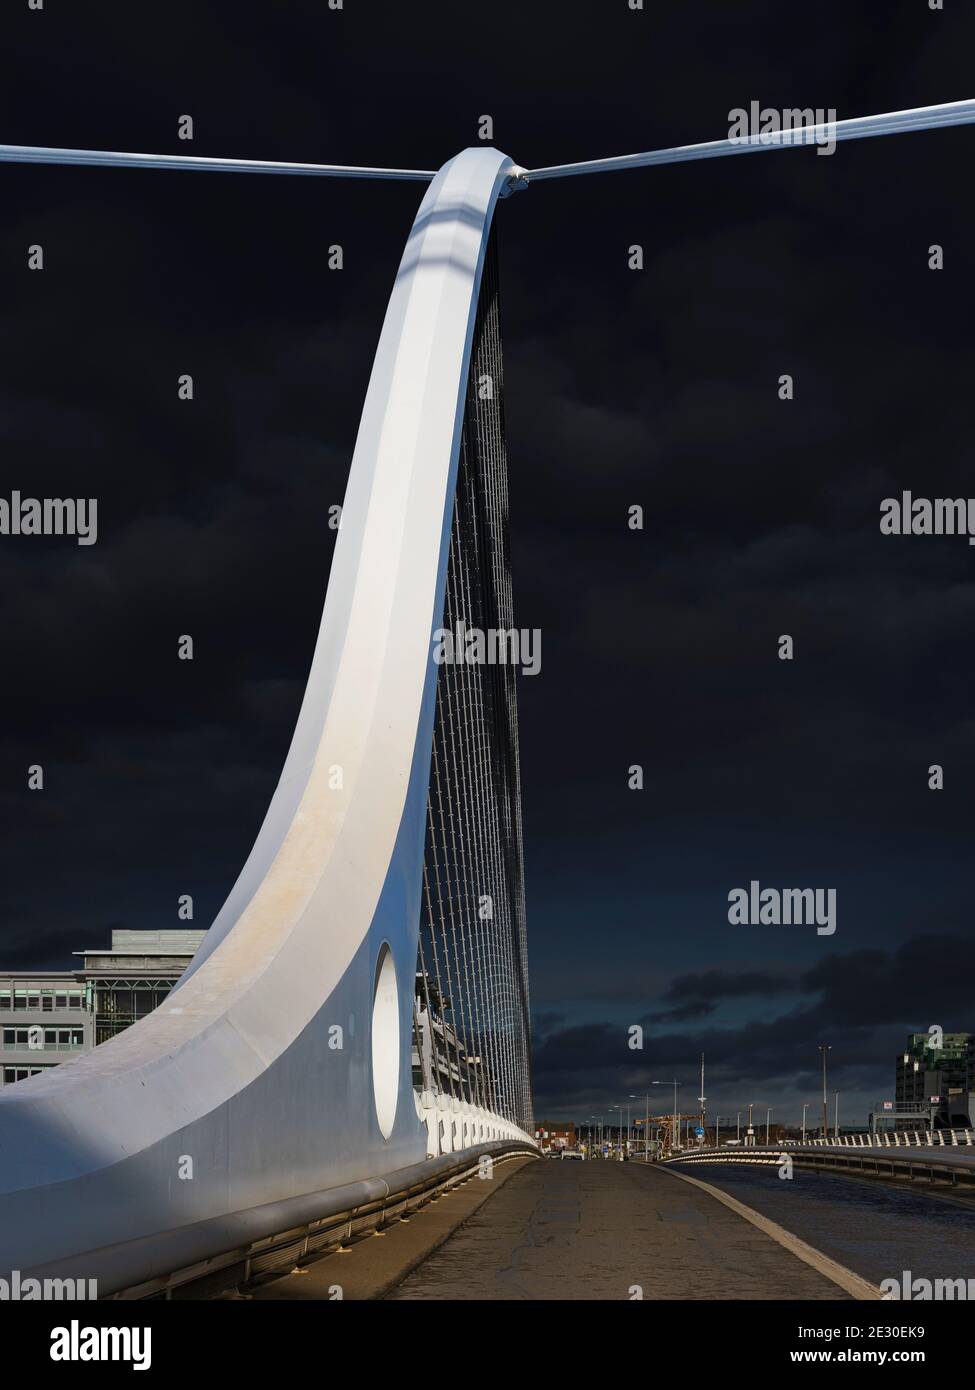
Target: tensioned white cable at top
41,154
861,127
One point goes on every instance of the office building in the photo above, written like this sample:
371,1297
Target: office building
934,1081
48,1017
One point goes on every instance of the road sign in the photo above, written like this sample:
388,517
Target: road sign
699,1131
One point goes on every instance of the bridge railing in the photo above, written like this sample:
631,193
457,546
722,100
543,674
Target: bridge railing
883,1139
453,1125
946,1164
908,1138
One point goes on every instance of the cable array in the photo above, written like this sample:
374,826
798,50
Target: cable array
472,971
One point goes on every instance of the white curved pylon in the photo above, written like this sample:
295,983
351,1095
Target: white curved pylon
253,1084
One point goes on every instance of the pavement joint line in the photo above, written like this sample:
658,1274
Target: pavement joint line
857,1287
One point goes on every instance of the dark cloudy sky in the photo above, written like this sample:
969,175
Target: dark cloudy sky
656,387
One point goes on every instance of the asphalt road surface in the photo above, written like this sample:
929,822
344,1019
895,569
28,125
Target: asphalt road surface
878,1229
599,1230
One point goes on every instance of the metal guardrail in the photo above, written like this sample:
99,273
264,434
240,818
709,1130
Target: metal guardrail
883,1139
345,1215
908,1138
913,1163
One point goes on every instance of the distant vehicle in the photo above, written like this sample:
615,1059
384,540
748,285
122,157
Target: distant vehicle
573,1153
731,1141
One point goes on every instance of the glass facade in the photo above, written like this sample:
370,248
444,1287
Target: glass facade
120,1003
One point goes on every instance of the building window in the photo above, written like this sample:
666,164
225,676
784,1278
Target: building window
11,1074
53,1038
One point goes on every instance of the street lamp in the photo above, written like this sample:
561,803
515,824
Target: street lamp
805,1107
620,1109
824,1049
768,1122
646,1131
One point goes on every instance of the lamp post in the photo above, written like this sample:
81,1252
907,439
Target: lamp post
805,1107
824,1049
620,1109
646,1131
768,1125
836,1116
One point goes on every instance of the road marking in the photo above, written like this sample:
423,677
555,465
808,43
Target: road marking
851,1283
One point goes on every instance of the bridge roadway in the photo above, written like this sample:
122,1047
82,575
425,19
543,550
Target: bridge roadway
547,1229
873,1226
